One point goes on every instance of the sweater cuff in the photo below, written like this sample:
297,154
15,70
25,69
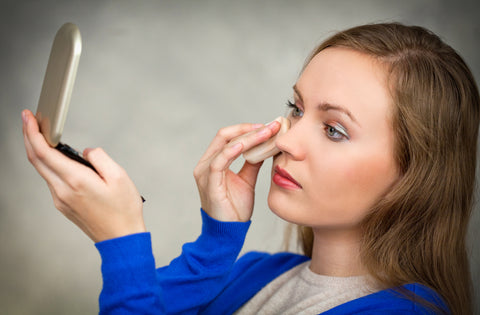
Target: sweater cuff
218,240
127,260
232,230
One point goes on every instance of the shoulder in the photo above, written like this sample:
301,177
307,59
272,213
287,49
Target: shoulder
408,299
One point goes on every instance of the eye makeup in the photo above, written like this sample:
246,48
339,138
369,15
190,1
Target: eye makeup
336,131
293,110
325,106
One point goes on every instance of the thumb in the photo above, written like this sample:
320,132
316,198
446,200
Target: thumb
249,172
106,167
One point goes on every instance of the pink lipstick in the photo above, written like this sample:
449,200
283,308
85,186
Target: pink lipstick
283,179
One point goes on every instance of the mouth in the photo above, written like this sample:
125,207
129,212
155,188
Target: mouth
283,179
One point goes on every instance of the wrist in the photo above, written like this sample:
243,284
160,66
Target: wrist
226,216
119,231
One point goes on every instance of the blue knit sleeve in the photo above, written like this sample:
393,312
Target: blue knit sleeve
132,285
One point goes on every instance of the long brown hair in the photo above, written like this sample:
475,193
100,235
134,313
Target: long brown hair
417,231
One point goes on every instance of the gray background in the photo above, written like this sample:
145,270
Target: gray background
155,82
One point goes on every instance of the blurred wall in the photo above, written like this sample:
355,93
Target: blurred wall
156,80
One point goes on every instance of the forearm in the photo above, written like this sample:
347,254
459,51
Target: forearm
189,282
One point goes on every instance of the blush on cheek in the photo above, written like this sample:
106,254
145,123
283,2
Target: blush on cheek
370,178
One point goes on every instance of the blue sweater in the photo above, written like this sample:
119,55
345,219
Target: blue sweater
207,278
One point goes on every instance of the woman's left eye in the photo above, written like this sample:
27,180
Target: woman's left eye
336,133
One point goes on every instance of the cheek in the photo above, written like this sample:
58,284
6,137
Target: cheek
369,177
350,186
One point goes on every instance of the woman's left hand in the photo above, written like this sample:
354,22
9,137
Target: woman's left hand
224,194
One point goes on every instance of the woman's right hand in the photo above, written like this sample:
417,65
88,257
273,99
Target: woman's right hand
104,205
225,195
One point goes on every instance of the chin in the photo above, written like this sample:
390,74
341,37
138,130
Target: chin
282,207
274,203
298,213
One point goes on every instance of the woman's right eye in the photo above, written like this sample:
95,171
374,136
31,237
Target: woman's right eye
294,110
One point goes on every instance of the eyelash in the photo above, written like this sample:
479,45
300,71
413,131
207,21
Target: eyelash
339,132
293,108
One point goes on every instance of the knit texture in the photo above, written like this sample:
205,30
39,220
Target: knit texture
207,278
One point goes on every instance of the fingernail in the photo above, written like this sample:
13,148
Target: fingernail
257,126
24,117
264,131
270,124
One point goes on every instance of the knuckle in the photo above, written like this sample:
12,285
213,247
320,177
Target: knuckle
215,167
40,154
76,183
200,170
118,175
58,204
220,162
62,197
222,132
196,172
94,152
31,158
226,154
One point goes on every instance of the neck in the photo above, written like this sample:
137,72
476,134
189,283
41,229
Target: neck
337,253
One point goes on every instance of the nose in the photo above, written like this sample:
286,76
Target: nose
292,142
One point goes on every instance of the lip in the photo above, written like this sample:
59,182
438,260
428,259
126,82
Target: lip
283,179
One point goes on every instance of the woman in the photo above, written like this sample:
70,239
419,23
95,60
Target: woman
377,170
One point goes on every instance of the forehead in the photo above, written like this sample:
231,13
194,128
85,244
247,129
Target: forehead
348,78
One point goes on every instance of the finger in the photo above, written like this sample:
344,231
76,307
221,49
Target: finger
226,157
249,173
54,183
106,167
41,152
225,135
248,140
221,163
44,171
222,137
112,173
256,137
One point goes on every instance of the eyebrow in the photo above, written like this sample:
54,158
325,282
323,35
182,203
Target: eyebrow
325,106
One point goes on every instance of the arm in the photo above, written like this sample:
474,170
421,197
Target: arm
131,284
202,271
106,206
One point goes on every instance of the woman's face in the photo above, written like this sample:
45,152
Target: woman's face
337,158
